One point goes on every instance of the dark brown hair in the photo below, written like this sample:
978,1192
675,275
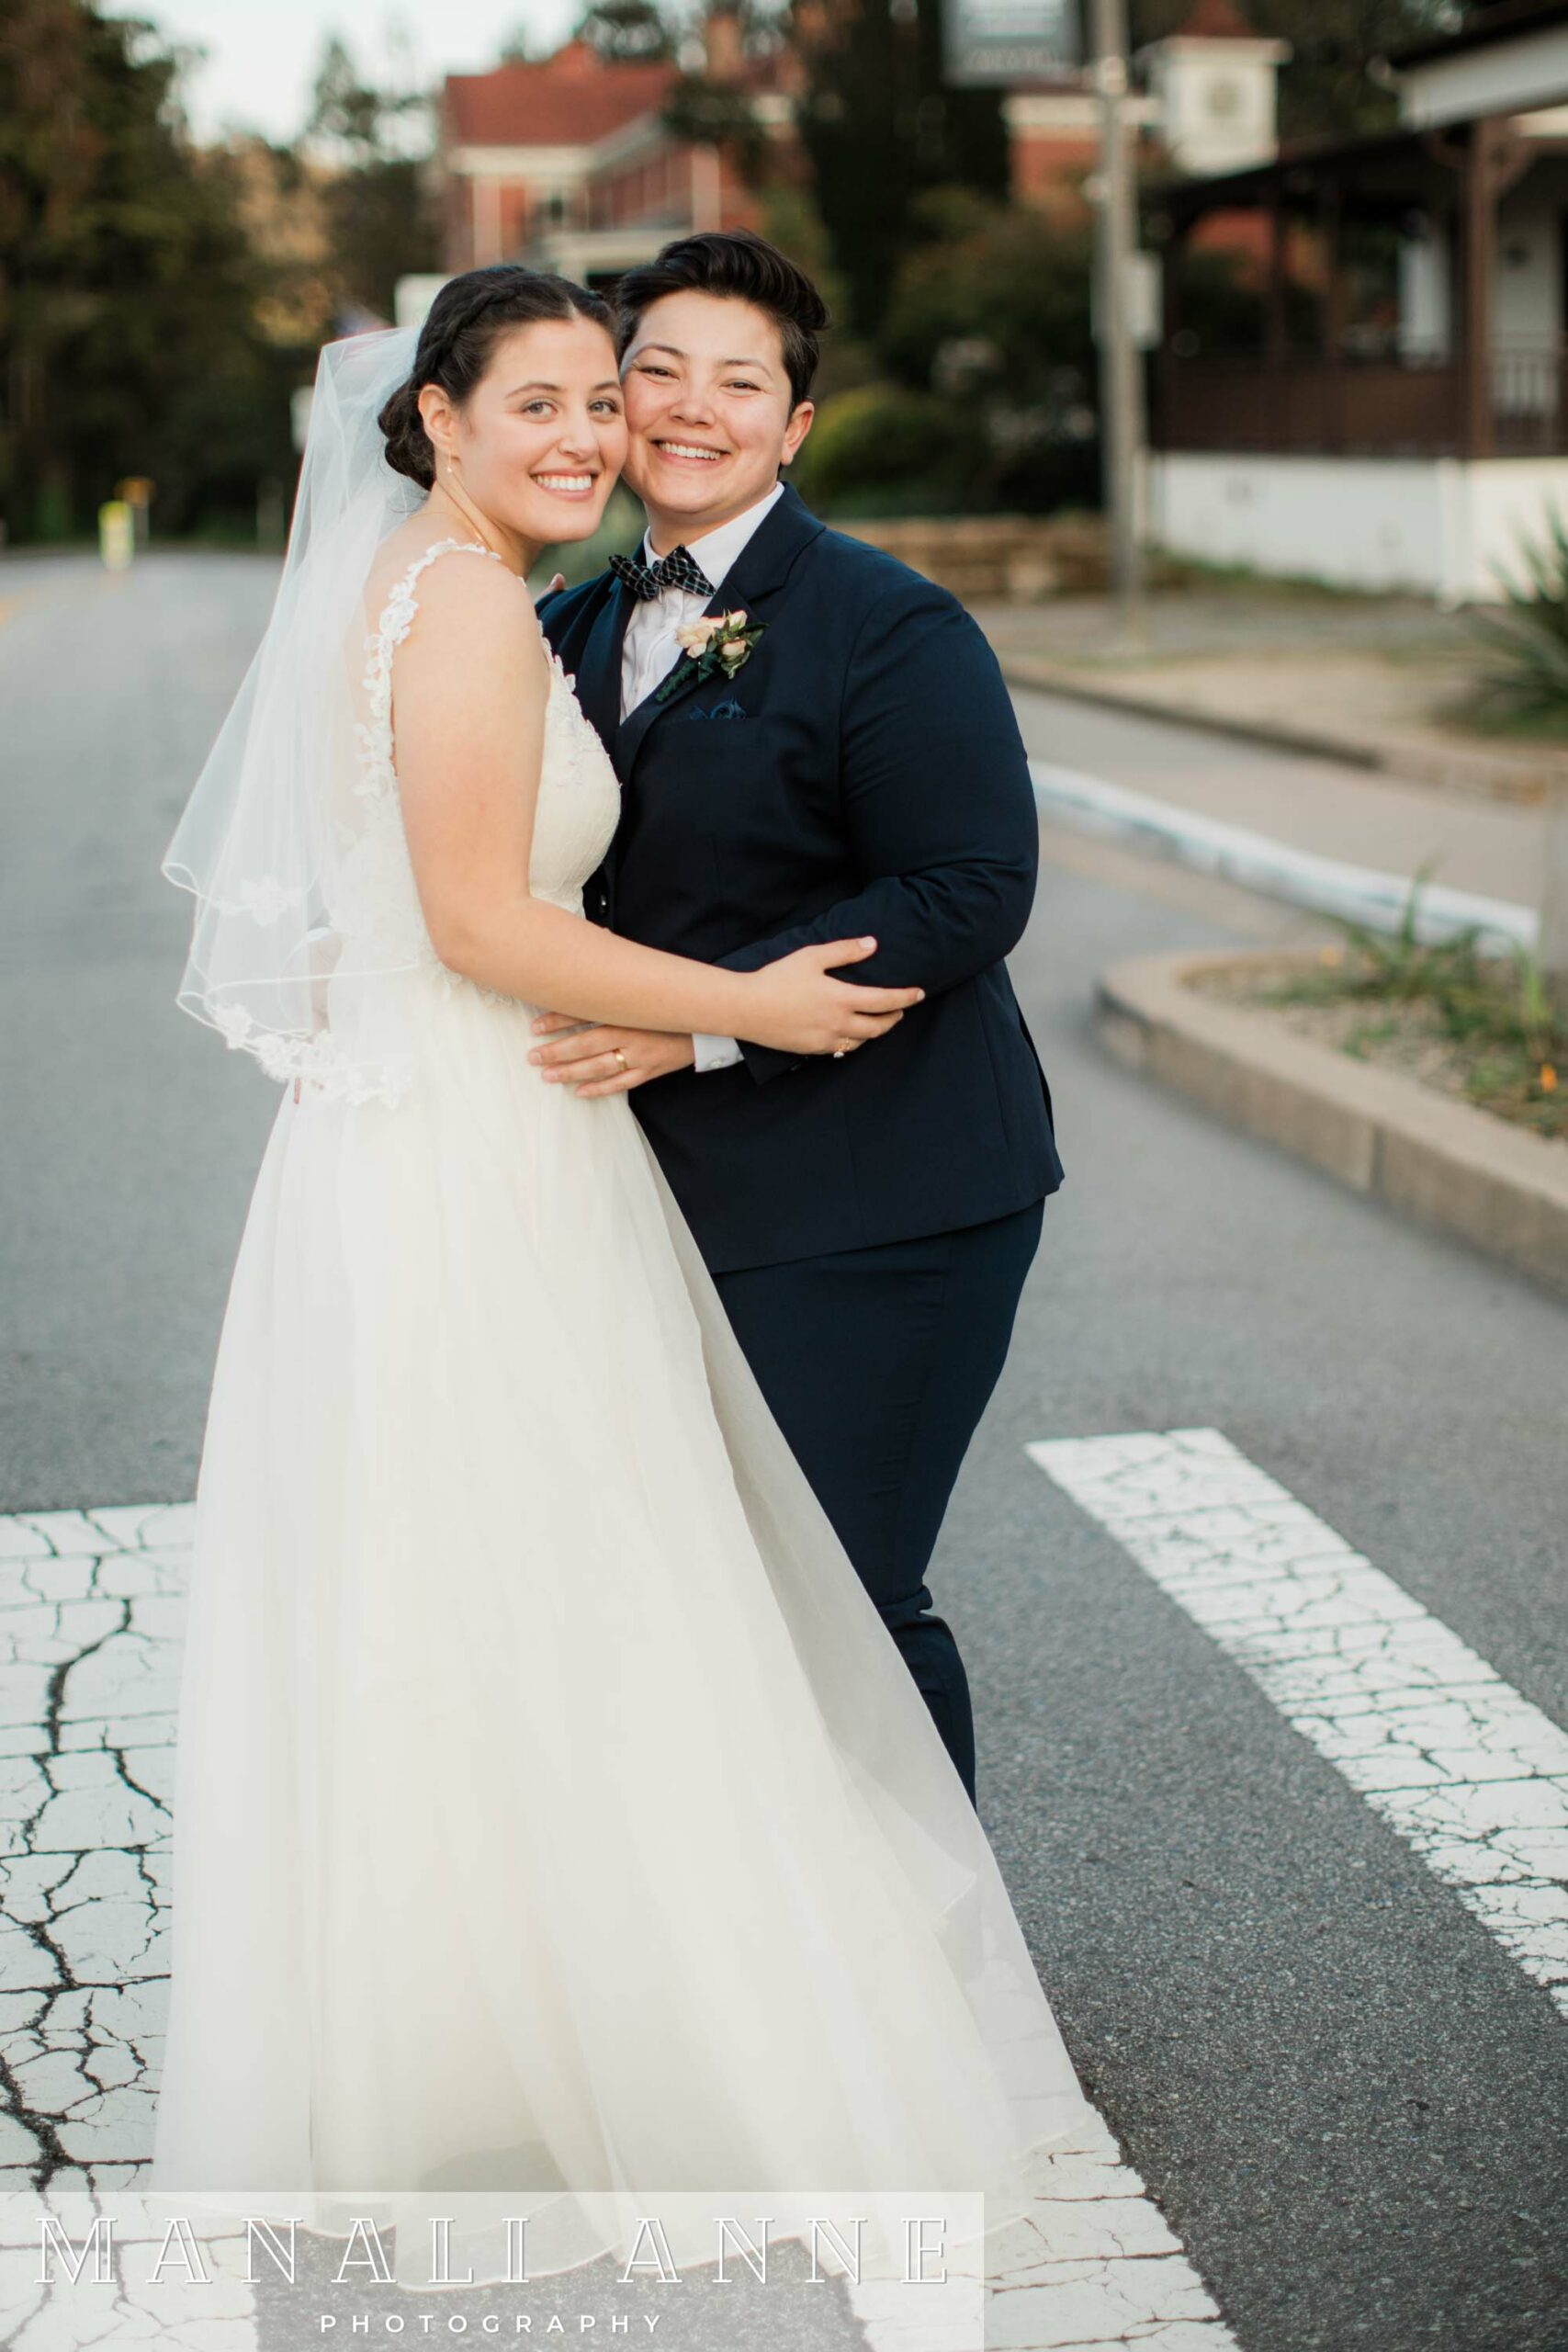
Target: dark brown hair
738,264
466,321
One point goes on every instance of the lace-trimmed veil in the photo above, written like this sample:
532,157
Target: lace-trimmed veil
264,840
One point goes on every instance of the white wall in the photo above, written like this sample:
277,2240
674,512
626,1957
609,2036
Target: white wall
1526,300
1425,295
1441,527
1528,308
1508,496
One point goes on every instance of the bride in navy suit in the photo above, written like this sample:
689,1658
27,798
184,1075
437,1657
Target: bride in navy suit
813,741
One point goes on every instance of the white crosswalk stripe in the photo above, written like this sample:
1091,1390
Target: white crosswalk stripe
91,1612
1473,1775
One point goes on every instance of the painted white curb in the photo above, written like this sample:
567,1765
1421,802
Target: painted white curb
1360,893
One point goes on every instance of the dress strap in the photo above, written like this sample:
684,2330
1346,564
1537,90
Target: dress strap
376,780
397,614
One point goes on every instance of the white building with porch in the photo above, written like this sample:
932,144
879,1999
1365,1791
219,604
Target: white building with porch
1419,425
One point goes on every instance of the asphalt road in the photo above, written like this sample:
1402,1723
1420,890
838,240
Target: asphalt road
1350,2104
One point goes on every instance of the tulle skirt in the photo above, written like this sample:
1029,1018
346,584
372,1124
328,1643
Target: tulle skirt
554,1815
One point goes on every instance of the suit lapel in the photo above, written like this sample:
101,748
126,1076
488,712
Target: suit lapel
599,671
761,566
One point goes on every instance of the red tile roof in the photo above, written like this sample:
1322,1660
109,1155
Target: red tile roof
1215,20
566,100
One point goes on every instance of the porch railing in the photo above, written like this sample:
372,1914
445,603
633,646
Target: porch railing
1406,406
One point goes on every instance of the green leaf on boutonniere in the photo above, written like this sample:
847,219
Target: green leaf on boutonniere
716,647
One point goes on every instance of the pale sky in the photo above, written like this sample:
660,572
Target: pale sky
262,54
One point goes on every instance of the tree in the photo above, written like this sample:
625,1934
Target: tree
627,32
881,128
380,216
129,341
988,390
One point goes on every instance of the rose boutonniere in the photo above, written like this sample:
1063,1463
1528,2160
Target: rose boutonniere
715,646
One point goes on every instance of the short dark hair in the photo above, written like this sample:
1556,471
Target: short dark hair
738,264
467,319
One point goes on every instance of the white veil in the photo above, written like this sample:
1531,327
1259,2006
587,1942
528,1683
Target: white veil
264,835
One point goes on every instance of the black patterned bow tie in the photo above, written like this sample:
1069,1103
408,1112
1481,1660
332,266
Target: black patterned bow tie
676,570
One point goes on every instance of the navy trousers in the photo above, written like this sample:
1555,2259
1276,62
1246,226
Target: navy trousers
877,1364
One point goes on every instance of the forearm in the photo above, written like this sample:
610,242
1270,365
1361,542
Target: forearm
932,929
545,954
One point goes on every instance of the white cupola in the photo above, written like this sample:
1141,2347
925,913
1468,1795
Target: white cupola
1214,84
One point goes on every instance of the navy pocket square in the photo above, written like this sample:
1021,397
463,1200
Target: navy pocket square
718,710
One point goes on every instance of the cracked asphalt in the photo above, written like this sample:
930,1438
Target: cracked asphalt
1348,2101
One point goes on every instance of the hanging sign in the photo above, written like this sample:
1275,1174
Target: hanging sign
1000,41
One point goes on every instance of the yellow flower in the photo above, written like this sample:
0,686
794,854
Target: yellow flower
1548,1079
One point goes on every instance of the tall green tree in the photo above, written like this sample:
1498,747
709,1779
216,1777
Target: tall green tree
882,128
380,215
127,297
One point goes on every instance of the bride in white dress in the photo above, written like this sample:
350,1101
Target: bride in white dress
553,1813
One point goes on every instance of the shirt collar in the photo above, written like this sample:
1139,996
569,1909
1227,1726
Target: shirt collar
717,550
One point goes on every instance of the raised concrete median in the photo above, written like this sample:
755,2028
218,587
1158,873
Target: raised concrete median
1440,1161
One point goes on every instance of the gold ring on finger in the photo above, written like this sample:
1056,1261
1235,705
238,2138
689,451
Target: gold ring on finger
621,1056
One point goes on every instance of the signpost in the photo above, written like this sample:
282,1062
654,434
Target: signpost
1121,366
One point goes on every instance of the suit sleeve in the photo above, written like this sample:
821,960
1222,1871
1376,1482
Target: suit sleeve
938,806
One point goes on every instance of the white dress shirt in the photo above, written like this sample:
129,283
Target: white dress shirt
650,651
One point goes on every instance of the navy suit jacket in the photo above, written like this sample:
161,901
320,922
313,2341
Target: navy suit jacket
862,773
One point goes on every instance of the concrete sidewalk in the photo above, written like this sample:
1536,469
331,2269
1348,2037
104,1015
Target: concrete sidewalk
1375,682
1492,848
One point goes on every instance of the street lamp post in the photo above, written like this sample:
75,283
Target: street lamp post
1120,365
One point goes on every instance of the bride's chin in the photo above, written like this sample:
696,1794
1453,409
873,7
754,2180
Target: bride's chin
566,521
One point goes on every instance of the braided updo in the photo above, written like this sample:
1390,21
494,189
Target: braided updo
466,321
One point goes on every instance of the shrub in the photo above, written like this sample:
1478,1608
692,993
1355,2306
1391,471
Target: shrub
878,439
1526,672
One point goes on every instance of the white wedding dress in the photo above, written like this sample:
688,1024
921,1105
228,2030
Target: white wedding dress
553,1813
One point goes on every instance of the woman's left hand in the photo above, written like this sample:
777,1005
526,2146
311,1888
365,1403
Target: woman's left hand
603,1061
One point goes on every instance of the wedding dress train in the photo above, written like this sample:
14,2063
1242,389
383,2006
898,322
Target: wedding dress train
553,1813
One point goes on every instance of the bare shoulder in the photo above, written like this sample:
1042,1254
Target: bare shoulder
453,599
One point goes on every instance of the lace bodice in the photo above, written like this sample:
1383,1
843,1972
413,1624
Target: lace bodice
379,917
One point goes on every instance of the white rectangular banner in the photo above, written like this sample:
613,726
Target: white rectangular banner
1003,41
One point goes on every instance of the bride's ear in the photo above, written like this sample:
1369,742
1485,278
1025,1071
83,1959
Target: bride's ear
439,419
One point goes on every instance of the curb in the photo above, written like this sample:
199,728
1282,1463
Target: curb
1477,775
1443,1164
1301,877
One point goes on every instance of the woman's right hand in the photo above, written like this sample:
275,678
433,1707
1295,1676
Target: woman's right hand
795,1007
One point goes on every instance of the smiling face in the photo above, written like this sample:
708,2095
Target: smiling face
710,414
538,443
